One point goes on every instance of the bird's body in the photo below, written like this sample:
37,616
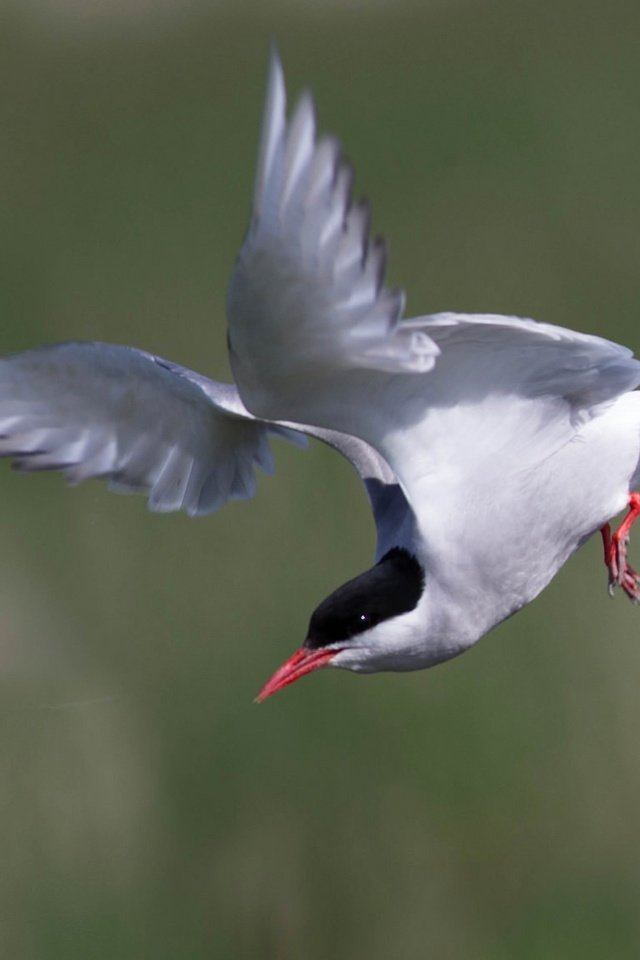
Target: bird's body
491,447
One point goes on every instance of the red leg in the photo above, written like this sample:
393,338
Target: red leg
621,574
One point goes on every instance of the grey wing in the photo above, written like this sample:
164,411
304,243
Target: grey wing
144,424
148,425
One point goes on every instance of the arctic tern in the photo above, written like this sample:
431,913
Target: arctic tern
490,447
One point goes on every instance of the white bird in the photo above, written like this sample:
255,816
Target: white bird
491,447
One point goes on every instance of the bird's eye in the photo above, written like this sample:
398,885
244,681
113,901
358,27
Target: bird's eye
364,621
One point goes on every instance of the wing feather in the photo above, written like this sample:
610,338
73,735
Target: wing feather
308,287
144,424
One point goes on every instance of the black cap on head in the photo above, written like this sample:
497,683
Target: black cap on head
392,587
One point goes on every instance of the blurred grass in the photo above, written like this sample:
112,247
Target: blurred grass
486,809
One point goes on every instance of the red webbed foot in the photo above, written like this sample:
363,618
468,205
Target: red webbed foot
621,574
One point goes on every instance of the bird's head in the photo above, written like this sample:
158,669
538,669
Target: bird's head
367,624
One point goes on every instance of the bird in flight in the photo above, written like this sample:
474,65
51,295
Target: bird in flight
490,447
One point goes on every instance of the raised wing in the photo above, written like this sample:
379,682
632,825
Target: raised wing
307,294
315,336
144,424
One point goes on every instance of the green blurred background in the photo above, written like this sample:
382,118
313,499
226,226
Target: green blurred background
485,809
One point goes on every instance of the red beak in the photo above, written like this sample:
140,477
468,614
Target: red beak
302,662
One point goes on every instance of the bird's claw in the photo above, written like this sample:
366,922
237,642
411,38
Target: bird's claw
621,573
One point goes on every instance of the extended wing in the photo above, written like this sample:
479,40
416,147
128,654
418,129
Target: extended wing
144,424
151,426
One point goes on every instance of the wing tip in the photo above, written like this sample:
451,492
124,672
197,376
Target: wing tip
275,70
273,124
